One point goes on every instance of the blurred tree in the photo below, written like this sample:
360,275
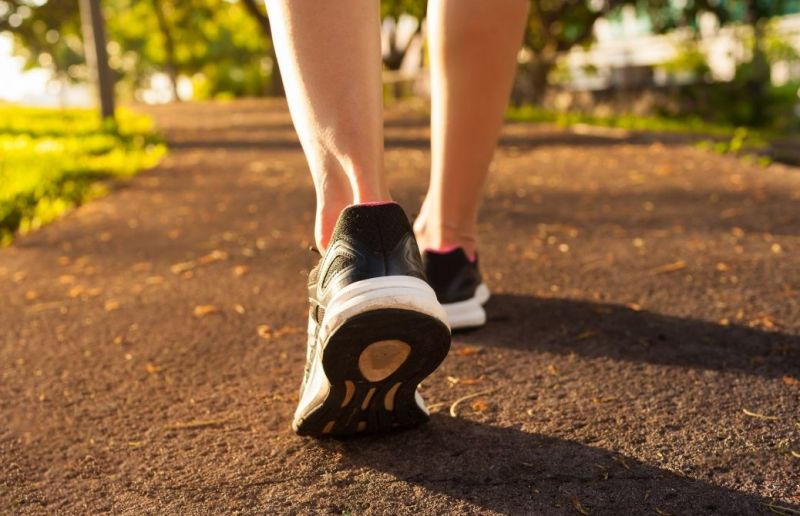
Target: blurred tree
395,8
48,35
221,44
554,26
756,77
224,45
557,25
216,43
276,83
93,28
171,61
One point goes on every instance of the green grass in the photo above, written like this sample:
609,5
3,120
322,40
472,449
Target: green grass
52,160
685,125
720,138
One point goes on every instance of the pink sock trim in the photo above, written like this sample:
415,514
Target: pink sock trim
450,249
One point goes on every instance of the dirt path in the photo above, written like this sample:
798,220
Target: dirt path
642,356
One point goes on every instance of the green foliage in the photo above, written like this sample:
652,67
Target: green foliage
777,46
750,101
48,34
53,160
219,44
216,39
743,142
689,60
782,102
720,138
395,8
685,125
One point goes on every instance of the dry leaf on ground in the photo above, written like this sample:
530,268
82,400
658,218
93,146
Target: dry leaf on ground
479,406
467,351
669,267
213,256
181,267
790,380
579,506
264,331
203,310
154,280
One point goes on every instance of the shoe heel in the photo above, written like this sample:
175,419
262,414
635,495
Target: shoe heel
374,363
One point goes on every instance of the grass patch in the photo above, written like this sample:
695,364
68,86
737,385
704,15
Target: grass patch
720,138
685,125
52,160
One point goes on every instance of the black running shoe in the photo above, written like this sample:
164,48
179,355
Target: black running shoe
458,285
375,328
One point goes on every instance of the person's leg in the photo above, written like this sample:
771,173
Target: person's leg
375,326
330,58
473,48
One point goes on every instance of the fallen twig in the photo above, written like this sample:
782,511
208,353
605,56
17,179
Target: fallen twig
197,423
669,267
759,416
779,509
468,397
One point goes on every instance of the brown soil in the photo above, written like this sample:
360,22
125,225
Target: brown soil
642,354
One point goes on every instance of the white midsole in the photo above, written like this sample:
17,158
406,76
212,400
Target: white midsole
468,313
403,292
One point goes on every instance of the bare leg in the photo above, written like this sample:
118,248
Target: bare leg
330,56
473,47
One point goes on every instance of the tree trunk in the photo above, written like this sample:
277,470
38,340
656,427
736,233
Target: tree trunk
760,75
536,72
94,41
275,88
169,48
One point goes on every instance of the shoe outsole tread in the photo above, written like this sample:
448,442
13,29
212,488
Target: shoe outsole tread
356,405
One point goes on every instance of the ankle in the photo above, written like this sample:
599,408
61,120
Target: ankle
340,183
370,194
330,204
325,223
446,238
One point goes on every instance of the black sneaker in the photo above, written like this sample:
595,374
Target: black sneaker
375,328
458,285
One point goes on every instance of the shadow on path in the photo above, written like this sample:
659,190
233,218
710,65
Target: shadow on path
512,471
265,139
678,211
566,326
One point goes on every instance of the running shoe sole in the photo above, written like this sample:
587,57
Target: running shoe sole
381,337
